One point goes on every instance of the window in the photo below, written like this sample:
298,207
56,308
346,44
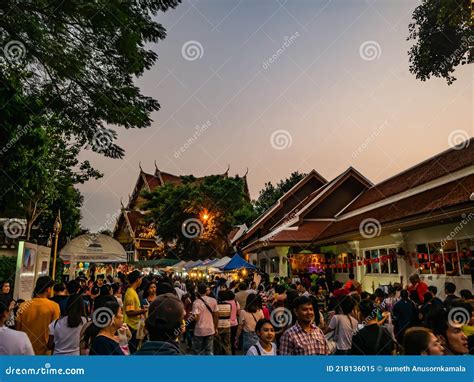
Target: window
383,260
465,249
275,265
423,258
449,258
342,262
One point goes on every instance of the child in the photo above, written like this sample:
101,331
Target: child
266,334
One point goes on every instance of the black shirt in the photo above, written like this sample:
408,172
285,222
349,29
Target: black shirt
372,340
102,345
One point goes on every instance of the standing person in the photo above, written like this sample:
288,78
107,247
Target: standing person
164,324
60,297
224,308
344,326
132,307
5,289
266,334
35,315
248,320
206,316
421,341
417,285
436,300
65,333
352,282
450,290
372,338
101,334
404,315
234,315
12,342
241,295
303,338
149,294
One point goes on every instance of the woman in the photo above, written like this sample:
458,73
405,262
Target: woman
5,293
106,320
234,314
149,294
266,334
5,289
65,333
343,325
248,320
421,341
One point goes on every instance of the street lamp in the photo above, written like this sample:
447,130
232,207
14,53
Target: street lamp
56,229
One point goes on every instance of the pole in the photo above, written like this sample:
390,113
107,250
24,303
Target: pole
57,229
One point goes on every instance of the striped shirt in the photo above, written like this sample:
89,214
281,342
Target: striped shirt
296,341
224,310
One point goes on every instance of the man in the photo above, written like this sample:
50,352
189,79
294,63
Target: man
164,325
300,288
35,315
404,315
179,291
224,308
60,297
132,307
100,281
303,338
449,290
206,317
241,295
417,285
372,339
353,282
12,342
436,300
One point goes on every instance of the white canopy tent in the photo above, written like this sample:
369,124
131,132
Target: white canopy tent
94,248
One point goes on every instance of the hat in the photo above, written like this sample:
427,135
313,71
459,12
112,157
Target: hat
134,276
177,284
165,312
43,283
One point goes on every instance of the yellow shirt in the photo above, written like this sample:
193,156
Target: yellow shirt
131,302
33,318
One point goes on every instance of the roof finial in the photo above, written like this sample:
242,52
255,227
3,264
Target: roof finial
246,172
121,203
140,166
227,171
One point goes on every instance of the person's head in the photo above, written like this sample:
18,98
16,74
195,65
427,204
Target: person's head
73,287
433,290
164,288
427,298
414,297
150,290
105,290
165,319
280,289
449,288
265,330
314,289
346,304
466,294
421,341
134,279
5,306
243,286
447,325
100,280
414,278
43,286
74,310
351,276
365,295
337,285
300,288
5,287
253,303
229,295
59,289
303,309
404,294
115,289
107,313
367,309
203,289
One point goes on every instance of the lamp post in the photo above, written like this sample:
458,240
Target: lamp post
56,229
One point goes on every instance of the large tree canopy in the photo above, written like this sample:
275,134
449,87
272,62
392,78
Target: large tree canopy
79,60
442,30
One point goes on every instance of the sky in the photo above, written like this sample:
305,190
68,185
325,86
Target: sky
279,86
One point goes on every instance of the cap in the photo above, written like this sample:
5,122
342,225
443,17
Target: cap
165,312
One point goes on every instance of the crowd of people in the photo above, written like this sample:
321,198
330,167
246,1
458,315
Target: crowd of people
136,314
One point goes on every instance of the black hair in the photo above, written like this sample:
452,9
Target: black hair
59,287
4,303
280,289
105,290
416,340
379,293
262,322
414,297
351,276
364,295
73,287
404,294
146,291
74,309
347,304
110,307
164,287
427,297
115,287
466,294
243,286
450,288
253,303
433,289
202,289
301,300
367,308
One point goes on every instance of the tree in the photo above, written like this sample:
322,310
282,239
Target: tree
443,34
198,214
78,59
270,194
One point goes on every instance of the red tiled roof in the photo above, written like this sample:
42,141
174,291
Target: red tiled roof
135,218
433,168
428,203
305,232
152,180
170,178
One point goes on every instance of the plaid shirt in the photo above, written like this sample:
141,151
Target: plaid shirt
295,341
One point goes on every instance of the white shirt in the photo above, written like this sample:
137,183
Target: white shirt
66,339
13,342
205,323
253,351
179,292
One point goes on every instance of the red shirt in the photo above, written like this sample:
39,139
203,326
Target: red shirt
421,288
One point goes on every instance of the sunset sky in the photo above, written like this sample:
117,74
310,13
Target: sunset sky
337,93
